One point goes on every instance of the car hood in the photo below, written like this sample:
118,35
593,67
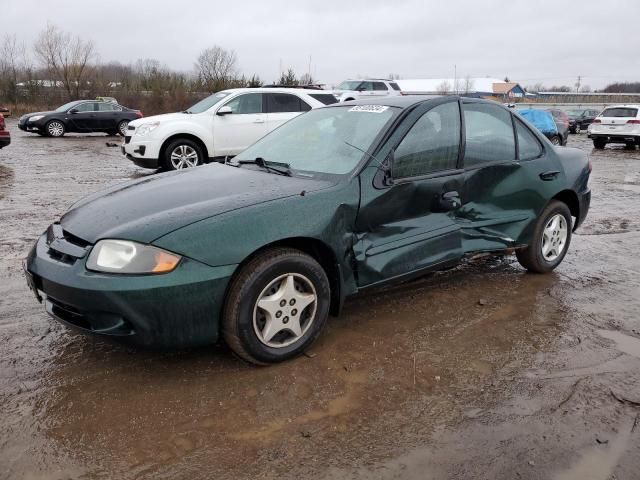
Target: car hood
147,209
165,117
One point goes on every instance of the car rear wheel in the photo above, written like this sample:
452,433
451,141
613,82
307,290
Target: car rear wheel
599,143
55,128
277,305
183,153
550,241
122,127
577,129
556,140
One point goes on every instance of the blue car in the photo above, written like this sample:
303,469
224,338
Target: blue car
544,122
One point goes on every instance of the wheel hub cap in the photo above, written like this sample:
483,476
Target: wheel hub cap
285,310
184,156
554,237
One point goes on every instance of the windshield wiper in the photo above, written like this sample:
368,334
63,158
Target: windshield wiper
280,168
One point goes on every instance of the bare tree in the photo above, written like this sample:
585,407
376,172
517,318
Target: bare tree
216,67
13,61
444,87
65,57
306,79
586,89
468,84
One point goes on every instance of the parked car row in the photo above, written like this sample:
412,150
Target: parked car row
550,125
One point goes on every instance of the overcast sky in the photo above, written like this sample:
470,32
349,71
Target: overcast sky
530,41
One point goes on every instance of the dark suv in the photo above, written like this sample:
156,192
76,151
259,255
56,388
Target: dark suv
581,119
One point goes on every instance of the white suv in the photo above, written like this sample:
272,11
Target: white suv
218,127
616,124
354,89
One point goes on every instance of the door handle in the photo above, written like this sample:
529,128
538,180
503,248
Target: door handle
260,120
550,175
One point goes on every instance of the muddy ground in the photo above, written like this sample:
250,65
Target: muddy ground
481,372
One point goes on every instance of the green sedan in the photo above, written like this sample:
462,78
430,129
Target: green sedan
352,196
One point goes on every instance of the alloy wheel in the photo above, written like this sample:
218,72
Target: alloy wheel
55,129
577,129
123,128
285,310
184,156
554,237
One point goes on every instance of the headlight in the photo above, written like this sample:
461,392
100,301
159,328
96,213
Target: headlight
146,128
123,256
35,118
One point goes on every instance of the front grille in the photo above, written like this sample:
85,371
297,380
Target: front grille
127,139
64,246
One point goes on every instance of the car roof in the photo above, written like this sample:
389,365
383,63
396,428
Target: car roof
626,105
309,91
401,101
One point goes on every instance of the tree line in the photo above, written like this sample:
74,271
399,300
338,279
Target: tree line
61,67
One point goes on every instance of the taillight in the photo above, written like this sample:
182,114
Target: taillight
597,120
1,122
138,114
402,93
634,121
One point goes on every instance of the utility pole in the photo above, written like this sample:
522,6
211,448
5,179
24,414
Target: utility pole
578,84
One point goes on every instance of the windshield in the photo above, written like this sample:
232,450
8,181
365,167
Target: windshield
575,113
207,103
315,141
349,85
67,106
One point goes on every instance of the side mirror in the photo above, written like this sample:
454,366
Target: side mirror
73,110
226,110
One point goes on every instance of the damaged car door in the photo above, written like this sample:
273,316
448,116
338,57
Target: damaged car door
407,223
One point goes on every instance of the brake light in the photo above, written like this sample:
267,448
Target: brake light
634,121
597,120
402,93
138,114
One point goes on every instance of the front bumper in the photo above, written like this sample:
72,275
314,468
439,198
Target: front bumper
178,309
145,154
27,126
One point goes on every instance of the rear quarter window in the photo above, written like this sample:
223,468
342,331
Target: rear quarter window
395,86
325,98
620,112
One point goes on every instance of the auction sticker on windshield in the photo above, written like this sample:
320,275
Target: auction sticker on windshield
369,108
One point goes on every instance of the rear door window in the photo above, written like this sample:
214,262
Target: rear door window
528,145
620,112
489,134
285,102
379,86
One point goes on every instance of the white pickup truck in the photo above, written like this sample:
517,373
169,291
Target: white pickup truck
218,127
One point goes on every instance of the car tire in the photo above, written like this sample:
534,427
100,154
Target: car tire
550,241
577,129
122,127
54,128
277,278
556,140
599,144
182,153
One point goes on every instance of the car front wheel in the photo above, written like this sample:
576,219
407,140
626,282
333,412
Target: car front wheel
55,128
551,239
276,307
183,153
577,129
